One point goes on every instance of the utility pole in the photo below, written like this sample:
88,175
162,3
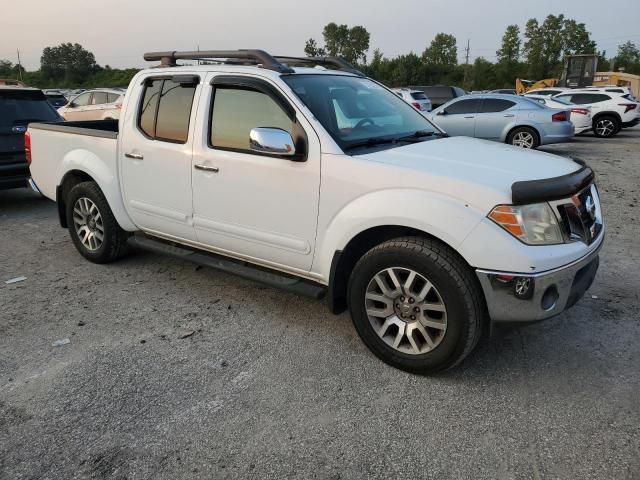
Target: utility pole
466,64
19,65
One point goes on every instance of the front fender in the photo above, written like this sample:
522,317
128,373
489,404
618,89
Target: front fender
448,219
104,175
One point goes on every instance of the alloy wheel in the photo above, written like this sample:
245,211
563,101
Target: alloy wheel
605,127
406,310
88,223
523,140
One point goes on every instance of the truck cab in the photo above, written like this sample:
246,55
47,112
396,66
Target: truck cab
305,174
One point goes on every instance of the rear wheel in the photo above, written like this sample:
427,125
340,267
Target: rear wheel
606,126
92,226
415,304
524,137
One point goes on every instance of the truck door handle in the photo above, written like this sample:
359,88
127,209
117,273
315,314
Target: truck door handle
469,116
135,156
206,168
508,115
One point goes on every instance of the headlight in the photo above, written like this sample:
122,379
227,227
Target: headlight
533,224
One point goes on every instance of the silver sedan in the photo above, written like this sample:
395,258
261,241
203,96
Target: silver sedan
510,119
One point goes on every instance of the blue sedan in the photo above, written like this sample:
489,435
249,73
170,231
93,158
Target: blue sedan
510,119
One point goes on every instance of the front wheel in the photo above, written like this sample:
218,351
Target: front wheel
524,137
93,228
416,304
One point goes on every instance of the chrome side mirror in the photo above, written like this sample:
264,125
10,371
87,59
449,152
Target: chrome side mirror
442,112
272,141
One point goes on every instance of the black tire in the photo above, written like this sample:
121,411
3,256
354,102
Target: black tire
606,126
114,242
456,285
513,135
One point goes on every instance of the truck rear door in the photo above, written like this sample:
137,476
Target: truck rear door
155,154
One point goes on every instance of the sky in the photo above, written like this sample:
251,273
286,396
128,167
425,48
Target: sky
118,32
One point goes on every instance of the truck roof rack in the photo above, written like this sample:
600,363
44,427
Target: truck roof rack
338,62
249,57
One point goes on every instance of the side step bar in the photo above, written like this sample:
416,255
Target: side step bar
242,269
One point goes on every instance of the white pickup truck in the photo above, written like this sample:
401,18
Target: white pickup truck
305,174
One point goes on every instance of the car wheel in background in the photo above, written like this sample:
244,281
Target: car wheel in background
524,137
416,304
606,126
93,228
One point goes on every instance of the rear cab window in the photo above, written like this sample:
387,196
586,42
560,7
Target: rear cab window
165,110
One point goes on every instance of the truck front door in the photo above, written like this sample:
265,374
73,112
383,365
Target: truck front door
155,155
252,205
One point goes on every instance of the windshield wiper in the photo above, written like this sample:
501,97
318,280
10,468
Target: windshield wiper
371,142
421,134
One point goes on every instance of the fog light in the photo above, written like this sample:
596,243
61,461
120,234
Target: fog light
549,298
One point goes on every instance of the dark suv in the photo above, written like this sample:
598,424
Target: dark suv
440,94
18,107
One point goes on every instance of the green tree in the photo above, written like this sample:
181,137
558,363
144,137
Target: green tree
6,68
351,44
311,49
443,51
628,57
68,62
533,49
576,38
508,57
483,75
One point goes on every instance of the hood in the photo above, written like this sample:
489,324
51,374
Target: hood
479,172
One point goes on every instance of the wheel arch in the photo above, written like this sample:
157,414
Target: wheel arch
513,128
344,260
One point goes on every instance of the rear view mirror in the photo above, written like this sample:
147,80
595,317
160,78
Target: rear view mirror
71,105
271,141
442,112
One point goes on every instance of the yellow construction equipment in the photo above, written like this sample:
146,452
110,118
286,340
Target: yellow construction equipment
523,86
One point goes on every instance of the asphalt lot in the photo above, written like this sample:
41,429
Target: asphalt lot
270,385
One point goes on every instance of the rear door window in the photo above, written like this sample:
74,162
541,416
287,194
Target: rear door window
493,105
464,106
418,96
112,97
165,111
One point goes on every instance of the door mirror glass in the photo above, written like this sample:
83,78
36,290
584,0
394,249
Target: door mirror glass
71,105
271,141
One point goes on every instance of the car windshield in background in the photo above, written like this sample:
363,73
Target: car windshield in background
563,101
358,112
19,107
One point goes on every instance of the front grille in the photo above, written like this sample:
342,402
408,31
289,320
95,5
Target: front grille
581,216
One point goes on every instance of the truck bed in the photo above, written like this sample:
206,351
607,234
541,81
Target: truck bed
88,146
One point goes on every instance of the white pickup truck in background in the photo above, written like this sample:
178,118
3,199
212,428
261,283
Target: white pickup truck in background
324,182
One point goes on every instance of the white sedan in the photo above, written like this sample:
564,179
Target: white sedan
580,115
99,104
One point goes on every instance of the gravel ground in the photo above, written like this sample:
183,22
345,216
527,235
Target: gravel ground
270,385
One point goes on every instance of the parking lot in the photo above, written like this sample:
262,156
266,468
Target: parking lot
174,371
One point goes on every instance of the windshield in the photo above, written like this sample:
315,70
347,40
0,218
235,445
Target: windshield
19,107
356,110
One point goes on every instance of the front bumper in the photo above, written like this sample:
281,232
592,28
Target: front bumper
523,298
